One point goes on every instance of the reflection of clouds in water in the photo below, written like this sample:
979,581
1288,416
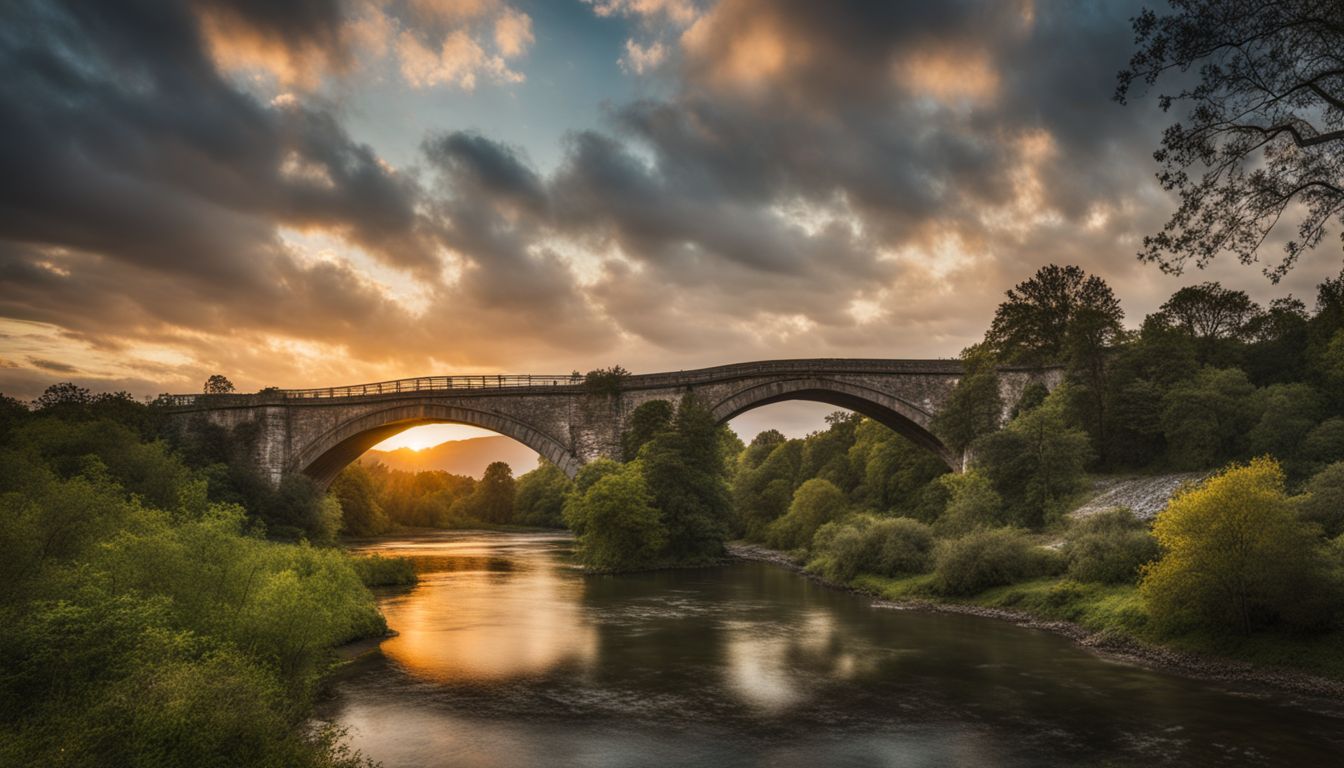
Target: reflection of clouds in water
773,666
758,672
467,621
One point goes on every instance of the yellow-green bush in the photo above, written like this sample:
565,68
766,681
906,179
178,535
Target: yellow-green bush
1235,555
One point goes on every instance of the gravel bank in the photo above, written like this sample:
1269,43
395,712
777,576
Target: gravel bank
1237,675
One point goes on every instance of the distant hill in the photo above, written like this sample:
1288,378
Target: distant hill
461,457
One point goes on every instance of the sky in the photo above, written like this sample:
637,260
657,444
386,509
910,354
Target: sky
328,192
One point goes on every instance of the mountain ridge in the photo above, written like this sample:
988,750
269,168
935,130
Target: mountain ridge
460,457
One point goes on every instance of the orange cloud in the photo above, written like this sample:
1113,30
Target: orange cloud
949,75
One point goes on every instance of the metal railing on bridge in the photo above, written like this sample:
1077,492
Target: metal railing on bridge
398,386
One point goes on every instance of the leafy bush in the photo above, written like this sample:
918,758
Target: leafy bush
621,530
972,503
141,634
885,546
1109,547
987,558
383,571
1322,502
815,503
1236,556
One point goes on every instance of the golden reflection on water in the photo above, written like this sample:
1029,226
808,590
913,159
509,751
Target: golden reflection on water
477,616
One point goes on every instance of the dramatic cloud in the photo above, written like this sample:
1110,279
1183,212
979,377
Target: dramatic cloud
197,187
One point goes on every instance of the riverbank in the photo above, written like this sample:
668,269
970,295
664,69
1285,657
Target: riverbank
1243,676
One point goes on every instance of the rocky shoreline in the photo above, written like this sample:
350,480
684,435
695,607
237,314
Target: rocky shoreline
1240,676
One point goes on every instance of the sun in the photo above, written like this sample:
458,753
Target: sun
430,435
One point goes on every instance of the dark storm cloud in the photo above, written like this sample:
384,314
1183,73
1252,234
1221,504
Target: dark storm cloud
122,138
814,178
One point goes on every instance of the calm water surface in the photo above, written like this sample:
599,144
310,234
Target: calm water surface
509,656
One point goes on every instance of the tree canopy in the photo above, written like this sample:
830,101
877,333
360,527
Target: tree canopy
1262,131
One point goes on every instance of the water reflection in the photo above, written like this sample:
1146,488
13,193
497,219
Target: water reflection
481,615
509,656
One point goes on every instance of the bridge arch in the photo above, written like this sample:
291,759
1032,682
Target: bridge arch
324,458
904,418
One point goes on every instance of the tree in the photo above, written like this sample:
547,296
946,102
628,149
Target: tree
576,516
815,503
974,407
1206,419
357,491
605,381
1279,351
1288,414
217,384
1036,463
66,396
892,471
687,474
1236,556
972,503
492,500
1322,500
621,529
1059,313
1265,136
540,497
762,493
1211,313
644,423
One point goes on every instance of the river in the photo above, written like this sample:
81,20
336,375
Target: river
507,655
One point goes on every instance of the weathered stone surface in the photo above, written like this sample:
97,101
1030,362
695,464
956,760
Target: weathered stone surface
570,425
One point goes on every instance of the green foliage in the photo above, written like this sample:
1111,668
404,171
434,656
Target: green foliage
217,384
605,381
1036,463
885,546
1055,308
826,452
974,406
382,571
1288,413
972,503
618,527
1324,444
540,497
1322,500
815,503
644,423
686,472
763,485
576,516
361,513
1206,419
892,471
148,627
987,558
1109,547
1236,556
491,500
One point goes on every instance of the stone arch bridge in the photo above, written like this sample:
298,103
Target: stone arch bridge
319,431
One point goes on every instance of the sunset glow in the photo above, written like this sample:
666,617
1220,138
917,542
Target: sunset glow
430,435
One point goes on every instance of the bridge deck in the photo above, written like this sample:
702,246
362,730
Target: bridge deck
557,383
